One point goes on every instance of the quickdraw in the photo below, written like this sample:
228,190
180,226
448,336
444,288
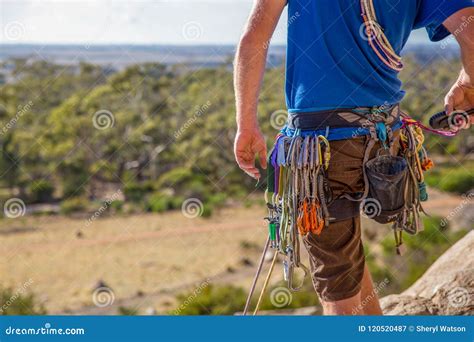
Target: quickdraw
296,194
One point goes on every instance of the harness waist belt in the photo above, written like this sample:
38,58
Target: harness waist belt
339,118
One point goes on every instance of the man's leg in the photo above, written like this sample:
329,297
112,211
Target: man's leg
337,266
337,260
341,307
365,302
369,298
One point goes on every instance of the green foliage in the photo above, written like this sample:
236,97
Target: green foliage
117,205
127,311
73,205
228,299
279,297
175,177
422,250
73,180
211,300
452,178
137,192
161,202
379,270
41,190
14,303
153,145
213,202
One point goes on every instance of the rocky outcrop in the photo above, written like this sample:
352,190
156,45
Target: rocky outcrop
447,288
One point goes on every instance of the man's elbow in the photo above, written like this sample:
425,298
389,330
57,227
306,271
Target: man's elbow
251,39
461,25
466,37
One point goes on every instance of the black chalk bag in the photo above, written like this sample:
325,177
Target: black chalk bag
387,176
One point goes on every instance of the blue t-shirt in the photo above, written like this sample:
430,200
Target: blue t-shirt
331,65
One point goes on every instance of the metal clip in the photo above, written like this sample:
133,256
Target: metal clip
285,270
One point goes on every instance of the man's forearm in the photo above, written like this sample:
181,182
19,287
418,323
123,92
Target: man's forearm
251,58
461,25
467,58
248,74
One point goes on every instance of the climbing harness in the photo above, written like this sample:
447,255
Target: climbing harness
298,196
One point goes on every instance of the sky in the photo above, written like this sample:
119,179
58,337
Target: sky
133,21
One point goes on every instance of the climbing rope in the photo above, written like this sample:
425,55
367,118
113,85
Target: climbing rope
407,121
377,39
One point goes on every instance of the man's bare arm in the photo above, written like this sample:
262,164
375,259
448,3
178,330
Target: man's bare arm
249,67
461,95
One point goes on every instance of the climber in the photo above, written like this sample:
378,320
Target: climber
343,57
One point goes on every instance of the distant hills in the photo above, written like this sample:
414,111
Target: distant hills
120,56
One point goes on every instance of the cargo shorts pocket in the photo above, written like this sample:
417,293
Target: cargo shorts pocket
346,177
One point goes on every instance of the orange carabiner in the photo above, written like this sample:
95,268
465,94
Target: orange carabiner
318,223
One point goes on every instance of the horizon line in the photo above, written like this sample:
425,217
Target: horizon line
147,44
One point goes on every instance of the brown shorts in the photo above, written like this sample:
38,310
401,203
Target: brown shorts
337,255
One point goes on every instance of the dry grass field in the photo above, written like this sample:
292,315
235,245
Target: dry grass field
144,259
136,254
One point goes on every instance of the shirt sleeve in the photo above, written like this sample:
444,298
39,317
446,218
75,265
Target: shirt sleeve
432,13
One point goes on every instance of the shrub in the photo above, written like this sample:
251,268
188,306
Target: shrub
217,200
73,181
127,311
116,205
137,192
211,300
459,181
452,178
160,202
12,303
228,299
157,203
175,177
207,210
279,297
73,205
41,191
249,245
213,202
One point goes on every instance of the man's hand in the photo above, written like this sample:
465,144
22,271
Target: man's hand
461,95
248,144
